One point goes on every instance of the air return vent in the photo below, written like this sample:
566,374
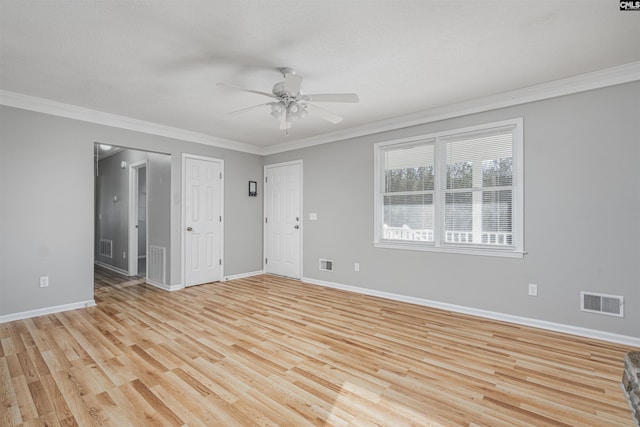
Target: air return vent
157,258
613,305
106,248
326,265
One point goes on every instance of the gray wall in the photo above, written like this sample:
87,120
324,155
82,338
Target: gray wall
113,225
582,210
582,204
47,206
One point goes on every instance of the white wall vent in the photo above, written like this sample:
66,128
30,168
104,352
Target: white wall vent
157,259
326,265
106,248
612,305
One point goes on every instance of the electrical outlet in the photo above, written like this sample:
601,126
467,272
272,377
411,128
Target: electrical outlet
356,266
44,281
533,289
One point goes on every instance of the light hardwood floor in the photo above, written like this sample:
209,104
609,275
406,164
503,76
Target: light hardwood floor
272,351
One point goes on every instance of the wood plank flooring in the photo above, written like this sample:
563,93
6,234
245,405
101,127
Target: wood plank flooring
271,351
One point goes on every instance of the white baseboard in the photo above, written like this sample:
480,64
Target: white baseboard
169,288
243,275
47,310
112,268
525,321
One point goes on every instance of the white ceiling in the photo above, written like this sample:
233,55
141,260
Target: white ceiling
159,61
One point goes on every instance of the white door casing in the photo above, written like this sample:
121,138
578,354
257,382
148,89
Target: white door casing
283,219
202,213
132,253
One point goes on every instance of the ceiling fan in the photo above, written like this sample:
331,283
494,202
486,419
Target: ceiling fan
289,103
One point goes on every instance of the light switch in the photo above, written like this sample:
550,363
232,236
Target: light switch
313,216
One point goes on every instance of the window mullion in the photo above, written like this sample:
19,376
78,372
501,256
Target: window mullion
476,197
438,213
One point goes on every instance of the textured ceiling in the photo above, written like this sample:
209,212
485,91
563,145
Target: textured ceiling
159,61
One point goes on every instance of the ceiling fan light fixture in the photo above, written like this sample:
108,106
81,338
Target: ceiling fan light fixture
277,109
297,110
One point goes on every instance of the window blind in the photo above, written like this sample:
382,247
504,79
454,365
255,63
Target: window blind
409,183
478,188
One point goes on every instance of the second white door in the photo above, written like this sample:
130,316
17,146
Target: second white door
203,221
283,219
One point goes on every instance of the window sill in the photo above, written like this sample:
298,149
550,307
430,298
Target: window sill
502,253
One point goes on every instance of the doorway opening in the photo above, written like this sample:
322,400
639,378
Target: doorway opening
133,213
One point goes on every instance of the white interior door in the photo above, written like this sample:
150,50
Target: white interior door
283,219
203,221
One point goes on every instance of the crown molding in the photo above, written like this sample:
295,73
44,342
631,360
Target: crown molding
580,83
584,82
41,105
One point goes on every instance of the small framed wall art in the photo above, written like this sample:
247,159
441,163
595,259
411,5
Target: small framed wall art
253,189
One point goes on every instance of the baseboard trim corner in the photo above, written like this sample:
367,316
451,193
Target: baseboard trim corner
168,288
509,318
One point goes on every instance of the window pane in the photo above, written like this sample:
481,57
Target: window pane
492,151
459,175
409,169
497,172
408,217
497,217
458,217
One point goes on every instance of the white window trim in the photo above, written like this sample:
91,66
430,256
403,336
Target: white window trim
518,221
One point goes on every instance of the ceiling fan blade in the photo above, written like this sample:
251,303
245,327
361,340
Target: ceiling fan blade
332,97
327,115
270,95
245,110
292,83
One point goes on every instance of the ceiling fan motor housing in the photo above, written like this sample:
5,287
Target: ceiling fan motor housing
278,89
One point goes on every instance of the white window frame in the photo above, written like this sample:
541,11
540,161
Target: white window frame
438,245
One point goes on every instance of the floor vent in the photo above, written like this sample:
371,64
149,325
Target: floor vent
157,258
106,248
326,265
612,305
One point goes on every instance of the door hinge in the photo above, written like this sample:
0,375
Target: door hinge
220,175
220,261
266,179
220,218
265,260
266,220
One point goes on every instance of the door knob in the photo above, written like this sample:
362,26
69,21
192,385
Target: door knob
296,227
189,229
